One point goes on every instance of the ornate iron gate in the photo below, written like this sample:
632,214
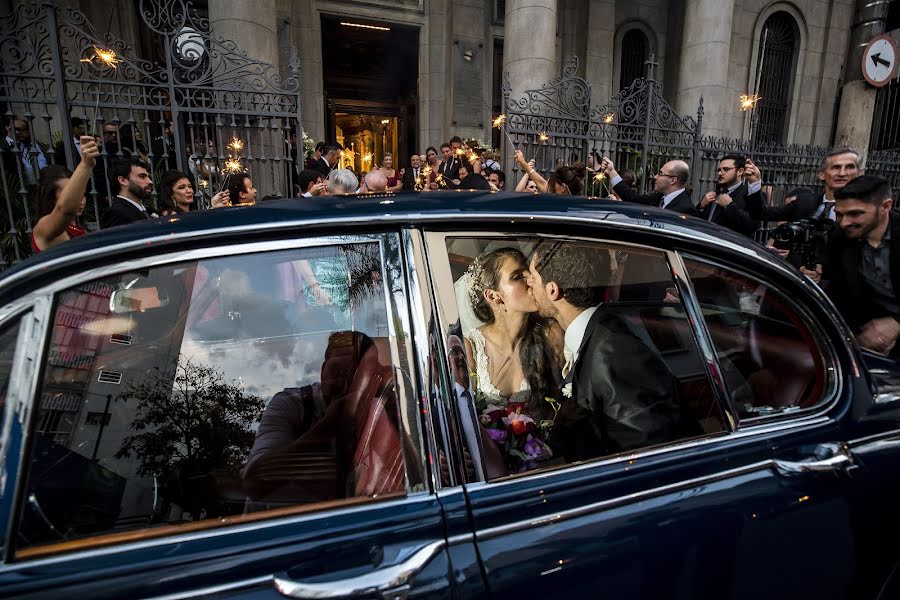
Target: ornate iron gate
181,113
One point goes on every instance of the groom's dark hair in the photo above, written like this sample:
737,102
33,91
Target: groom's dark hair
582,272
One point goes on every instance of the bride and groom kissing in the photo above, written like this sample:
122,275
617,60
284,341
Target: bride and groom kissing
550,344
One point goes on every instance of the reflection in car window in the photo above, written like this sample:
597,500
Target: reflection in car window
8,335
243,384
766,351
573,350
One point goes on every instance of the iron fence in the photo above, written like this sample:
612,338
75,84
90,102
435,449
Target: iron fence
640,131
57,80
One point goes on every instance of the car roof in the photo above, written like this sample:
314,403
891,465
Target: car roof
439,208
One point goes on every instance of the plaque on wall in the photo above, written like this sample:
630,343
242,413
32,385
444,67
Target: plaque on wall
468,84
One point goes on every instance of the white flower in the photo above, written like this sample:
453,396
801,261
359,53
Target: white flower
567,390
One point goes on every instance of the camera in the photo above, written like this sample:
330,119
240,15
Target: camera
806,238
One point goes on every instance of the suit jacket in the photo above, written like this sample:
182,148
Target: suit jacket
803,207
409,180
122,212
322,167
449,169
680,203
846,286
626,386
734,216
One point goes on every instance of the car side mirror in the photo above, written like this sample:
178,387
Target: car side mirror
138,296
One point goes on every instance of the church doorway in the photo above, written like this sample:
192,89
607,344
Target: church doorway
371,89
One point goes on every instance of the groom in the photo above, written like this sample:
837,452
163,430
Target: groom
609,370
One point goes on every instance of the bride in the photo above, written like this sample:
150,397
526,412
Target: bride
516,353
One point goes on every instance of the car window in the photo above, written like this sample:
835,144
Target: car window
766,350
573,350
215,390
8,335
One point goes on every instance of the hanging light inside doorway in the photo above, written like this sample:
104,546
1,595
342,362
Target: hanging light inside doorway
363,26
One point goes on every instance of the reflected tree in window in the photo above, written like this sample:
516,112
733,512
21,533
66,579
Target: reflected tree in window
192,429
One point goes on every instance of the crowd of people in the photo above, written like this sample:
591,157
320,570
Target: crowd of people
854,266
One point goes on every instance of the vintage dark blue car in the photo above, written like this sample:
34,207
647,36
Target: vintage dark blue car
284,400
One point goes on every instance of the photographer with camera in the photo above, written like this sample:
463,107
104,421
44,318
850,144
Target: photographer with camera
861,272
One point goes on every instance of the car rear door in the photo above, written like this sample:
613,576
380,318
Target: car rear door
236,421
755,502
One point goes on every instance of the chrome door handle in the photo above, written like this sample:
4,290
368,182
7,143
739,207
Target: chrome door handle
390,583
840,461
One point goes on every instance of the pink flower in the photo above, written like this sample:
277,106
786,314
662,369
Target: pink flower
518,422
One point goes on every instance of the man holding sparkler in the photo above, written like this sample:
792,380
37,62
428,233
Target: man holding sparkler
727,206
668,187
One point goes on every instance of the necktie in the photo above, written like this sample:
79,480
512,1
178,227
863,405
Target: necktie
826,209
662,202
712,210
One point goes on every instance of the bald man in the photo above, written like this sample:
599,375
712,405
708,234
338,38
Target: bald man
376,181
668,187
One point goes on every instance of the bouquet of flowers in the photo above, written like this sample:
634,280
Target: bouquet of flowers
521,439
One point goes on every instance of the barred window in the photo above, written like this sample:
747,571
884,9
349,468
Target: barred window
635,50
775,71
886,124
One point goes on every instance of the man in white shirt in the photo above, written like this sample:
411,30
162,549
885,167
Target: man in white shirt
668,187
31,156
621,390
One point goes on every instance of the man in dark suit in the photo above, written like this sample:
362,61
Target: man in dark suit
610,372
668,187
450,164
131,179
331,153
861,272
838,168
412,174
59,150
727,206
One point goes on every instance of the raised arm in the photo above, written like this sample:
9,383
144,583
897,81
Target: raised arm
68,203
536,177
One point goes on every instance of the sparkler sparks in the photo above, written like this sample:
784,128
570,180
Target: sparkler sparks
748,102
367,157
107,58
543,137
599,177
236,144
499,121
609,118
233,165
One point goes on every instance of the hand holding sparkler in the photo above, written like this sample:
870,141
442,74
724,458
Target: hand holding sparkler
220,200
751,172
90,151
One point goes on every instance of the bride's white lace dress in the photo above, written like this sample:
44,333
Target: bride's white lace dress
483,385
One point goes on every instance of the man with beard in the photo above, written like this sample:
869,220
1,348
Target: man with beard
132,180
861,272
726,206
618,392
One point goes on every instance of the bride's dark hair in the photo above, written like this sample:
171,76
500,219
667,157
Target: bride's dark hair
537,357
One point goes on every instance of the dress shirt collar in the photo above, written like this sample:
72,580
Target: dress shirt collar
732,189
575,334
137,205
670,196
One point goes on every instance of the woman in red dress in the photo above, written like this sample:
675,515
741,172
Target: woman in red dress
61,199
394,184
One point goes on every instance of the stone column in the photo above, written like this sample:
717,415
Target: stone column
308,33
529,51
253,27
854,126
599,66
703,71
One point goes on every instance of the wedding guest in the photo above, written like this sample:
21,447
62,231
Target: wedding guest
393,183
130,180
61,199
177,195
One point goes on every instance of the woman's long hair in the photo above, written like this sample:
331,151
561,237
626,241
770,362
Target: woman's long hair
47,191
538,360
572,177
166,202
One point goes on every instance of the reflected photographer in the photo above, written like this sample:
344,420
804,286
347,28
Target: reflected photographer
861,272
804,240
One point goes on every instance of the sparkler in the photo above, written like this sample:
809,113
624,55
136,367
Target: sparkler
543,138
600,177
748,102
236,144
498,123
105,60
232,166
609,118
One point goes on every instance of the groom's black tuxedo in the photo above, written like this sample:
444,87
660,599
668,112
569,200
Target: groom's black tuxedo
626,386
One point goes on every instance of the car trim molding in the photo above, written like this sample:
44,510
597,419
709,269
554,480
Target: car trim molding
216,589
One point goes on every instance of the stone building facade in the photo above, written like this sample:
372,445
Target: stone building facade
801,56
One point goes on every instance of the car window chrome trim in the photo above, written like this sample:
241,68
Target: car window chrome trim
581,511
814,421
215,532
420,301
833,369
216,589
389,219
702,338
406,387
891,437
19,410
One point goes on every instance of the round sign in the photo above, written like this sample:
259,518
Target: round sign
879,60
